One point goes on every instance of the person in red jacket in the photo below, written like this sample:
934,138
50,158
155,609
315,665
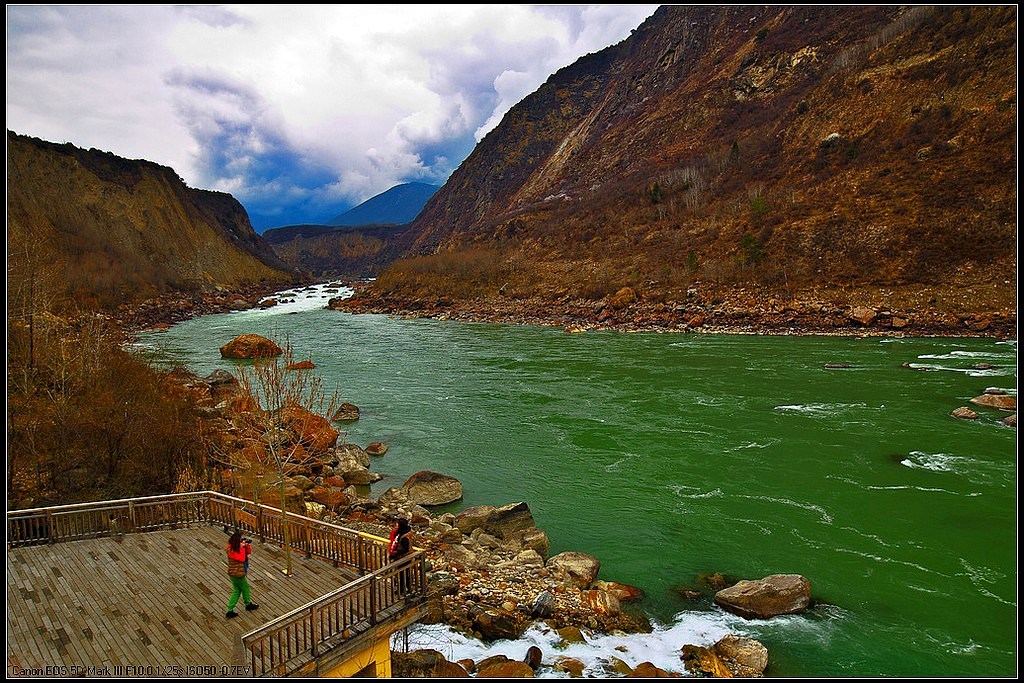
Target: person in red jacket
238,564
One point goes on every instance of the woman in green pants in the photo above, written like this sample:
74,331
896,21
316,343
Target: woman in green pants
238,563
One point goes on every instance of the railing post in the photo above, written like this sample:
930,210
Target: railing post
309,539
131,516
373,599
423,577
259,521
50,531
234,516
315,630
362,555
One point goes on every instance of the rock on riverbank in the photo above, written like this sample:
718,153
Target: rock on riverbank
706,309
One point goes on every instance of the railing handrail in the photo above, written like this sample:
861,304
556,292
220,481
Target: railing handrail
115,502
203,497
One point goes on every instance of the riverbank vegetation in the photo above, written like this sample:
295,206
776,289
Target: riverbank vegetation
87,420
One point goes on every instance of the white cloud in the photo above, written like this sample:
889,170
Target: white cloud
337,101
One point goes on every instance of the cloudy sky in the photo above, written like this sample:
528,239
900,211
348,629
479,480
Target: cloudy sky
299,111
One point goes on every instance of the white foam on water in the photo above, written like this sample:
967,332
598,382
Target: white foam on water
615,466
936,462
889,560
820,408
954,355
909,488
753,444
299,300
680,490
971,469
825,516
661,647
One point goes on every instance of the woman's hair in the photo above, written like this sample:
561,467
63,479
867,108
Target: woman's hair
403,525
235,541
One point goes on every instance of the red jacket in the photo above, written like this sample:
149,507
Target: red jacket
236,560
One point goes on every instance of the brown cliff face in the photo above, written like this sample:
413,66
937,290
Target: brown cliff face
793,148
104,230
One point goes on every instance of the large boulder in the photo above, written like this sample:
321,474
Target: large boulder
649,670
506,670
311,430
543,605
570,665
503,522
744,657
702,661
351,450
621,591
250,346
424,664
581,568
430,488
533,539
1004,402
498,625
600,602
622,298
351,464
768,597
863,315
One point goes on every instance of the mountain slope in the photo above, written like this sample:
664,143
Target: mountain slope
396,206
104,230
864,151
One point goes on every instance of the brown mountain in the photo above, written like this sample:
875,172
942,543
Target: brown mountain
862,154
102,230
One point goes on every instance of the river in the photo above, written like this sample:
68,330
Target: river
667,456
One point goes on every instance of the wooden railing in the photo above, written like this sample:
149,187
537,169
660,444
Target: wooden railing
314,538
287,643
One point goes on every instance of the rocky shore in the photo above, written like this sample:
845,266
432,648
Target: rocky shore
176,307
708,310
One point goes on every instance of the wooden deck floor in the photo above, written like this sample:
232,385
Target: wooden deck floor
153,600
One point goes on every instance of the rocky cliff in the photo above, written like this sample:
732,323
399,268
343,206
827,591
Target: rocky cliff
866,153
104,230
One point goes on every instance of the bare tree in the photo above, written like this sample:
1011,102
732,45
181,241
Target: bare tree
285,410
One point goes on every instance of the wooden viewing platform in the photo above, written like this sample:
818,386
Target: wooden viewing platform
90,594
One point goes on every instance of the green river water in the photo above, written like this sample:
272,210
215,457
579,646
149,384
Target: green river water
667,456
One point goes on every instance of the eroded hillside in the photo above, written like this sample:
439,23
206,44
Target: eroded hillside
858,152
102,230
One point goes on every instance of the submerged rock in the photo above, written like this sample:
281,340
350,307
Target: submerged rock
347,412
964,413
377,448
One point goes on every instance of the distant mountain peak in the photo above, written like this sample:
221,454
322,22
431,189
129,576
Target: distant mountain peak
396,206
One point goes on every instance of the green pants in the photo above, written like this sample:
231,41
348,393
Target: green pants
239,586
